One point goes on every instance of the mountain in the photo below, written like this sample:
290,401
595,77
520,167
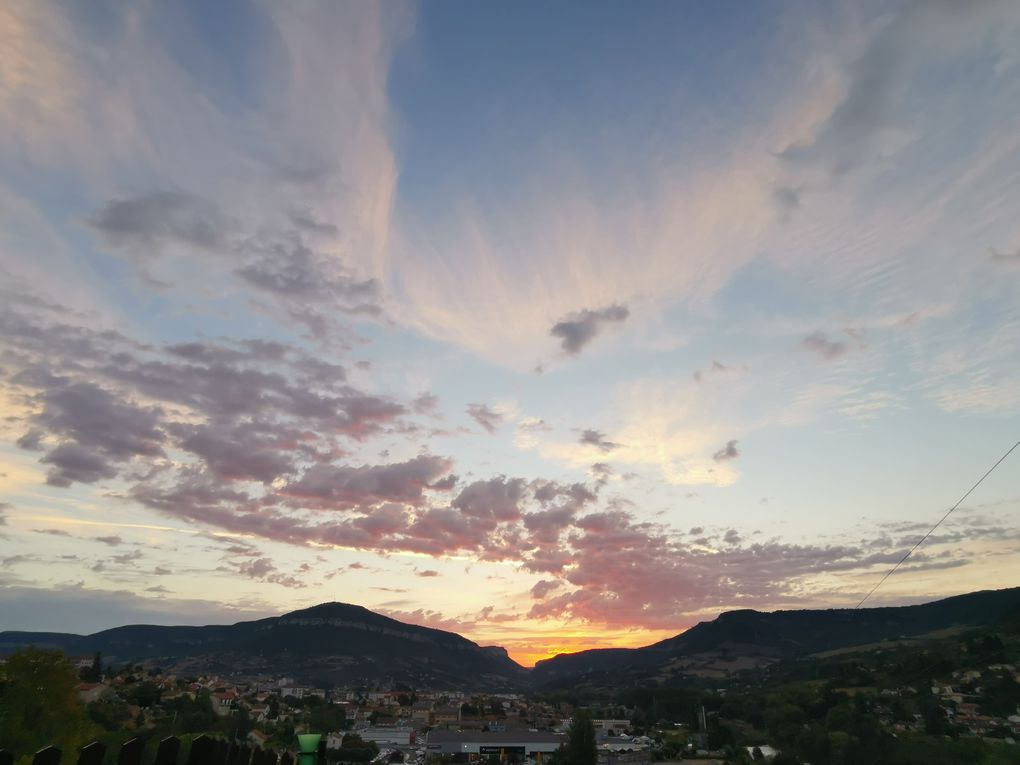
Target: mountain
750,639
332,643
338,643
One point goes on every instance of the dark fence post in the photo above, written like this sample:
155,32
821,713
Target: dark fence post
269,757
168,750
131,752
92,754
6,758
203,751
222,751
286,759
48,756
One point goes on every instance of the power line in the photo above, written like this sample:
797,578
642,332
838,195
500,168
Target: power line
932,529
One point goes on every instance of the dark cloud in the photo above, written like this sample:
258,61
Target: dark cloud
488,418
819,344
597,439
100,428
160,217
497,498
73,463
344,486
31,441
250,450
112,541
544,586
264,570
427,573
286,268
127,559
576,330
52,532
305,286
306,220
728,452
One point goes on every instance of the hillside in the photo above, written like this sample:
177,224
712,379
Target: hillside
338,643
745,639
326,644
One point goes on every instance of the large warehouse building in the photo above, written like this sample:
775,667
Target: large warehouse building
508,746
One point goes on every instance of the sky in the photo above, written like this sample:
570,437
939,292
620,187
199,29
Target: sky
559,326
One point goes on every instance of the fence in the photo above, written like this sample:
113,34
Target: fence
205,750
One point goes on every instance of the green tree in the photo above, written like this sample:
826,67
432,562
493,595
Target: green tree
580,748
93,674
39,703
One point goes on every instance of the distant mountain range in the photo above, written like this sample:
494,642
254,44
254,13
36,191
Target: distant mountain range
338,643
332,643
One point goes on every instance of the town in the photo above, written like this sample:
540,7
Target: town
957,696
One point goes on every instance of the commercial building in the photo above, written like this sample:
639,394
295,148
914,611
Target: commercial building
507,746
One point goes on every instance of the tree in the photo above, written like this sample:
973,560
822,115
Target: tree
93,674
579,748
39,703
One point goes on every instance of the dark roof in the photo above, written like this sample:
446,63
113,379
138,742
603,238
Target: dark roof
495,737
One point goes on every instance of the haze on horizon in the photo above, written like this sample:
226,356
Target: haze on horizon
559,326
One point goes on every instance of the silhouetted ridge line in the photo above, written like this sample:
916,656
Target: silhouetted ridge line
932,529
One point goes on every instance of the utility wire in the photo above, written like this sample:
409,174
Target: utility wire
932,529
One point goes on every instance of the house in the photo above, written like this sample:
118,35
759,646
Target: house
223,702
445,715
421,711
89,692
767,752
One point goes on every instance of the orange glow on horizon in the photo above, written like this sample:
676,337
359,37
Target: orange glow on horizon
528,651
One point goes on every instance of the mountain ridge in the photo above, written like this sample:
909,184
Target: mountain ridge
791,633
338,642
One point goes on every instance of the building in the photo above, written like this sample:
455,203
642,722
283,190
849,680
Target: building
445,715
388,736
507,746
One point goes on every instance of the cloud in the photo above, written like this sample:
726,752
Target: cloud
74,463
728,452
819,344
344,486
427,573
160,217
91,610
101,429
597,439
544,586
576,330
868,123
497,498
488,418
264,570
53,532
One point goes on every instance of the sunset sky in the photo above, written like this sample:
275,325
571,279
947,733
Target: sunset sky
557,325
